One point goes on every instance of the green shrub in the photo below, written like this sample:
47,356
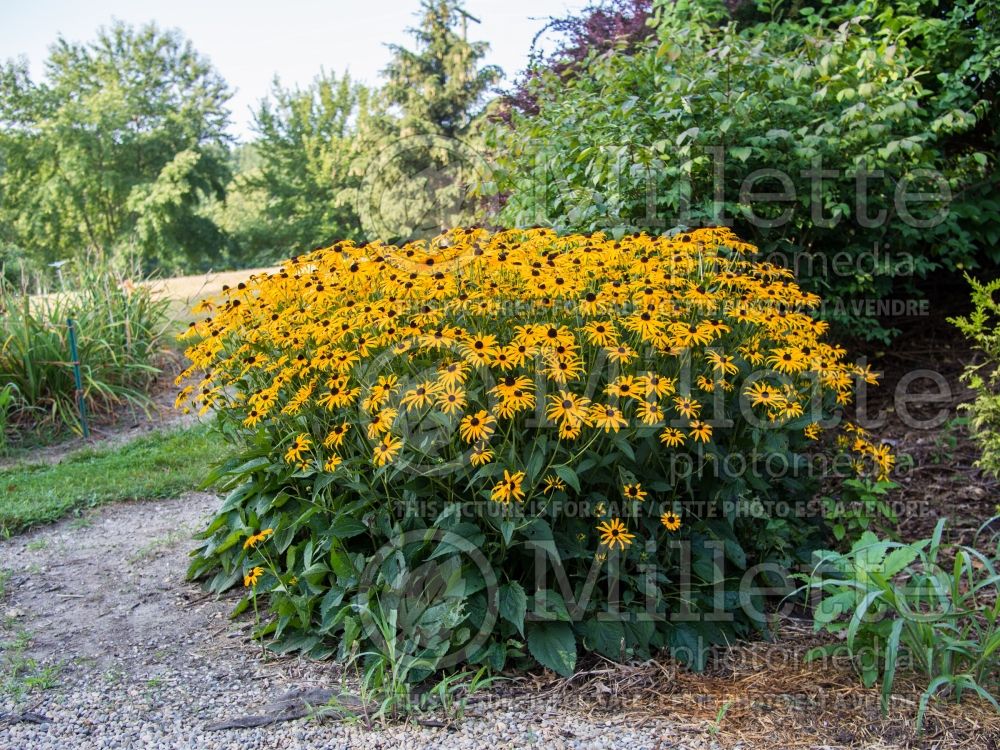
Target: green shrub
120,329
982,328
859,504
514,446
630,142
897,605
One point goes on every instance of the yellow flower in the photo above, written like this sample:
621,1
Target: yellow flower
656,385
614,532
336,436
553,483
299,445
762,394
481,455
452,374
700,431
251,578
687,407
600,333
568,408
625,386
607,418
649,412
386,450
254,539
722,363
634,491
477,427
671,520
420,395
620,354
382,423
672,437
812,430
509,489
452,400
787,360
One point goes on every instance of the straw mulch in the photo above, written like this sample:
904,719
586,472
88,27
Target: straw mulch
765,695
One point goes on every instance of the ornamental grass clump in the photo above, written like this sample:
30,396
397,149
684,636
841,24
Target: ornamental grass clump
516,445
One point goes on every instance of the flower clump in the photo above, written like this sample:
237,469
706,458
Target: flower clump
517,369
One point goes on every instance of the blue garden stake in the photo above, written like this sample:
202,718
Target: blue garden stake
76,377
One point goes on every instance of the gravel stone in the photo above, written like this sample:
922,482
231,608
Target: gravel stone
147,660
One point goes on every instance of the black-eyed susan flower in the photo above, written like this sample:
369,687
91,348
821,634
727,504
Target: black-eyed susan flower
787,360
763,394
251,578
624,386
480,455
477,427
672,437
671,521
634,491
655,385
254,539
452,374
566,407
421,395
606,417
601,333
335,438
510,488
615,533
723,364
649,412
687,407
382,422
552,483
700,431
386,450
300,445
451,400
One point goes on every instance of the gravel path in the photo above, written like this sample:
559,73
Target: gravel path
141,659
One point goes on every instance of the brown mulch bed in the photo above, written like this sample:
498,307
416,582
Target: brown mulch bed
765,695
937,474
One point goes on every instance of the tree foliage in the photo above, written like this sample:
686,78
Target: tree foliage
290,192
439,85
901,95
420,163
116,149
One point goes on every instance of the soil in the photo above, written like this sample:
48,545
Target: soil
937,470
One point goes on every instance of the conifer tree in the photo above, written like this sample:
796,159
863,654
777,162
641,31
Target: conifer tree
428,155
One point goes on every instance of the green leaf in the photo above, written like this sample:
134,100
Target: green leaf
345,527
550,605
891,658
513,604
741,152
604,636
553,645
568,476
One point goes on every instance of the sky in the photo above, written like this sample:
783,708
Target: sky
251,41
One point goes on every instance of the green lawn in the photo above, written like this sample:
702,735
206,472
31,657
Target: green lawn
157,465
